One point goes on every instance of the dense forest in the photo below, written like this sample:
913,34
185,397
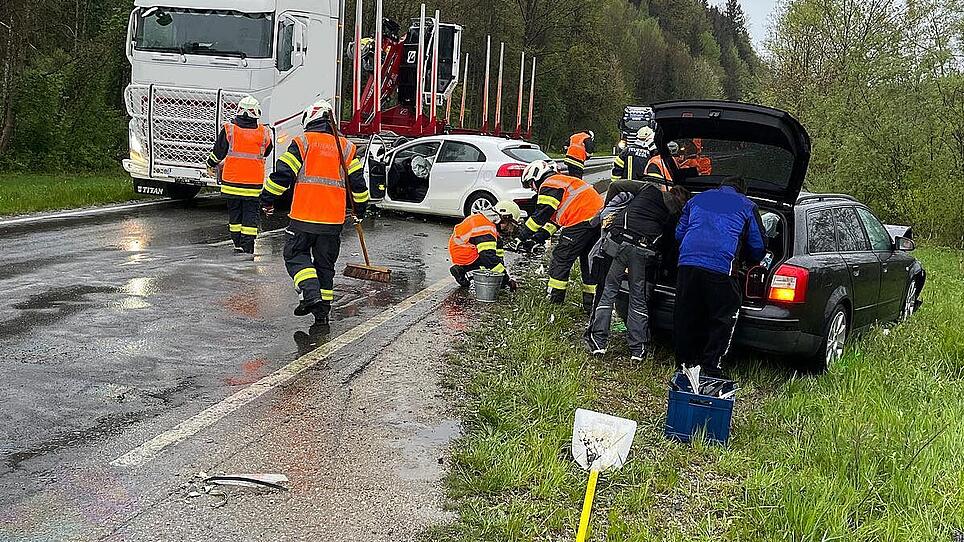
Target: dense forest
879,83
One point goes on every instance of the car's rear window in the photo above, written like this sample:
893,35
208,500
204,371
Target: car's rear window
753,161
525,153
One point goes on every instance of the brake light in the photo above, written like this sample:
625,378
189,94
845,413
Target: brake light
510,170
789,284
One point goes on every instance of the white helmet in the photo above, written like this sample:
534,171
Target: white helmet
249,107
591,134
315,111
645,136
508,209
536,172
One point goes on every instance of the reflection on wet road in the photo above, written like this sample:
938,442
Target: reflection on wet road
106,321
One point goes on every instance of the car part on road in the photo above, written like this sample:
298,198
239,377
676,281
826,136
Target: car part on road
600,442
257,481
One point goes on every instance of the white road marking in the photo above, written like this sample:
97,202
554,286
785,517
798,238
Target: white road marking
269,233
87,212
211,415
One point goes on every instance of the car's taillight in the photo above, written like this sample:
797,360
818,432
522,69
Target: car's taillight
510,170
789,284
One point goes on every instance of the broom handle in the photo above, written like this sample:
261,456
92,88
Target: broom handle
351,208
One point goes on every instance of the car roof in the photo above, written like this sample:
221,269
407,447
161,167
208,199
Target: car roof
480,140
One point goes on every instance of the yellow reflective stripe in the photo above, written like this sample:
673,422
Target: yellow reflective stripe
619,162
273,187
573,162
499,269
548,200
532,225
556,284
550,227
360,197
235,228
354,166
614,178
213,157
629,173
488,245
500,252
305,274
588,288
327,295
245,230
235,191
292,161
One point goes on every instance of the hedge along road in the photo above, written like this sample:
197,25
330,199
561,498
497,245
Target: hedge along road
137,349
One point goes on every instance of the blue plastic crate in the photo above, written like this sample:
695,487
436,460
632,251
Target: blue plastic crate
689,412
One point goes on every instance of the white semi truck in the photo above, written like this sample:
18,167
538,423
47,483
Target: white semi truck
192,60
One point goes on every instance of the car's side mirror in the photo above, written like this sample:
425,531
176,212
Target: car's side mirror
904,244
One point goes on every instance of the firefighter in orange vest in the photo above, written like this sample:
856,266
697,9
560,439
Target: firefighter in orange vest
581,147
477,242
657,167
316,166
571,204
242,146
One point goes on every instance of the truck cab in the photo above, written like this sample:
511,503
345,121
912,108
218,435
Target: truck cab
193,60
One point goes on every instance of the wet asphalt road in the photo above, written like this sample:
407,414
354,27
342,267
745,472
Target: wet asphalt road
116,327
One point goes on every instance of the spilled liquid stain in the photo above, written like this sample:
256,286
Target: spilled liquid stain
51,306
251,371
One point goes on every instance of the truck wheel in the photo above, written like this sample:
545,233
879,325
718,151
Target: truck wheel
182,191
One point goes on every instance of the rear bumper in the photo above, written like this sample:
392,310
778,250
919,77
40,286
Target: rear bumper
770,329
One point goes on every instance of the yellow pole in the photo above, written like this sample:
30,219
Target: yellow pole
587,506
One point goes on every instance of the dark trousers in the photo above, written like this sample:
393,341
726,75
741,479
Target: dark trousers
639,265
244,216
575,243
310,260
576,169
707,309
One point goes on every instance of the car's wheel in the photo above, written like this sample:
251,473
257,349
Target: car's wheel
910,301
182,191
836,330
478,202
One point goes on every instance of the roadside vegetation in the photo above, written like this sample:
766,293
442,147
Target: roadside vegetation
870,451
27,193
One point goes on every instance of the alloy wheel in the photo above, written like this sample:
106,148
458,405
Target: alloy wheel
910,301
480,204
836,338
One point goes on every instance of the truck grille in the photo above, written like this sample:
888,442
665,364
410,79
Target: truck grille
178,126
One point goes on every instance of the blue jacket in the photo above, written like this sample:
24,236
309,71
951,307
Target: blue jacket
716,227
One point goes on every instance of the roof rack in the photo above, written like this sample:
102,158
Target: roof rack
808,198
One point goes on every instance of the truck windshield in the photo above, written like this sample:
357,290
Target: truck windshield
204,32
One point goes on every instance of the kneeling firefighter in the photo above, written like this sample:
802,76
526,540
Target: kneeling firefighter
476,243
571,204
319,165
240,150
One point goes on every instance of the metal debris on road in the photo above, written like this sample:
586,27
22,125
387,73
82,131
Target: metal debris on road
259,481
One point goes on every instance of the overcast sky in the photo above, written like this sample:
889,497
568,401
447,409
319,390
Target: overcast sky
758,18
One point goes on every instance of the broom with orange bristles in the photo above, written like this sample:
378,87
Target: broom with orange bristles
357,270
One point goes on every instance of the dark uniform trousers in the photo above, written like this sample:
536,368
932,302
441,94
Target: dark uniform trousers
707,309
244,216
642,265
575,243
576,168
310,259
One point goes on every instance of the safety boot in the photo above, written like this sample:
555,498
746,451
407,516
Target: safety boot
459,273
557,297
307,306
588,300
321,312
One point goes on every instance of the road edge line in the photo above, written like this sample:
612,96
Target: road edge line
208,417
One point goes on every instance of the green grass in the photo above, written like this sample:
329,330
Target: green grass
871,451
27,192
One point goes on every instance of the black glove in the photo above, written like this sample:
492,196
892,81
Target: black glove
527,245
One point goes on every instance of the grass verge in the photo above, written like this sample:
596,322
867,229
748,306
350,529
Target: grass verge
28,192
871,451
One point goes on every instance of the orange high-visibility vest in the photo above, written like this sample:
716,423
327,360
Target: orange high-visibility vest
320,196
580,201
244,163
461,251
661,169
577,147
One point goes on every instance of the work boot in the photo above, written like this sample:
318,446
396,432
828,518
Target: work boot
321,312
588,300
459,273
307,306
557,297
238,250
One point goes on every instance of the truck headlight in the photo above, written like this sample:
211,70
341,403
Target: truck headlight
136,149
